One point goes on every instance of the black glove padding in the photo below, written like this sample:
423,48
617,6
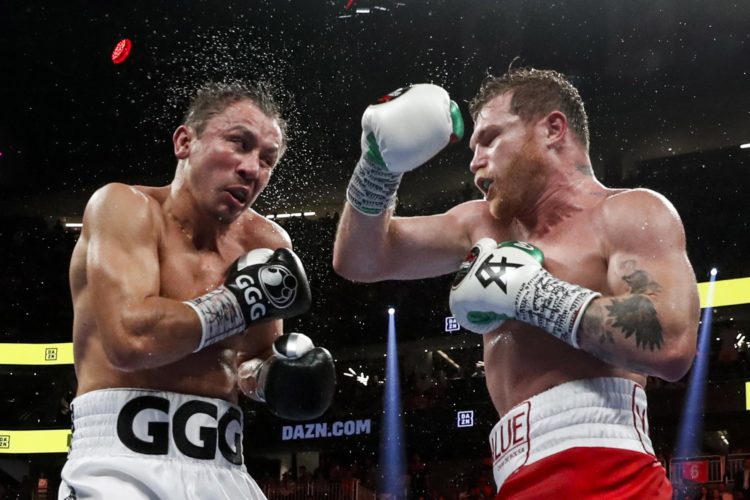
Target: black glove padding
269,285
300,388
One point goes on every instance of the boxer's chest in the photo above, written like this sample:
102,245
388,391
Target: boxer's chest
575,253
187,273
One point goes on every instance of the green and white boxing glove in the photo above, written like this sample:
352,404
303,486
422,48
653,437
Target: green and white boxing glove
507,281
405,129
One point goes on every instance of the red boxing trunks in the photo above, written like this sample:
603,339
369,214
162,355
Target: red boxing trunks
586,439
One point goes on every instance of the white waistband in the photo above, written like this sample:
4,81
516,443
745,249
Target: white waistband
598,412
156,424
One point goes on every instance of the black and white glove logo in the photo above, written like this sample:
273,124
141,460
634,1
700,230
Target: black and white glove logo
465,266
279,285
493,272
396,93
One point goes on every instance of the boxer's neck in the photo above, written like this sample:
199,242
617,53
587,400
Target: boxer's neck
570,189
200,227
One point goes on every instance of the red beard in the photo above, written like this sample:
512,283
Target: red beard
518,189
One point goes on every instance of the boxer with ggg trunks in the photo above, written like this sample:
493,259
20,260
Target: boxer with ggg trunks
179,293
588,292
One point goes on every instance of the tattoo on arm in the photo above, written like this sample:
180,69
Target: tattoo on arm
636,315
640,282
594,324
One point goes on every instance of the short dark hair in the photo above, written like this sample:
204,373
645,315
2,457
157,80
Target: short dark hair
213,98
536,92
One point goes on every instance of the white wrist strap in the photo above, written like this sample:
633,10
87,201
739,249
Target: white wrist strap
220,315
553,305
255,368
372,188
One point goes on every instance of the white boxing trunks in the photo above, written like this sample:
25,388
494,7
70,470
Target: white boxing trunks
593,428
141,444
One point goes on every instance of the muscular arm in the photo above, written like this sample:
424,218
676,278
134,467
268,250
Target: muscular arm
138,328
649,323
385,247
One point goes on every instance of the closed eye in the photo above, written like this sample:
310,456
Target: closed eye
243,144
486,137
268,162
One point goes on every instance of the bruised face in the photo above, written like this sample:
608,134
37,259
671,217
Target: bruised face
230,163
508,165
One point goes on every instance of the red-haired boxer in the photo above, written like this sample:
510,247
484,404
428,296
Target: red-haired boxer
592,292
179,294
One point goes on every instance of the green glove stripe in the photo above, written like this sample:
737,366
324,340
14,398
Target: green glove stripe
526,247
457,122
373,151
486,317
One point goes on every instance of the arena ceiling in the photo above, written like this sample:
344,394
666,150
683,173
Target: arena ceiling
660,79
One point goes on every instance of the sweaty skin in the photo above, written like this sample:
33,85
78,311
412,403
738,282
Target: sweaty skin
629,245
144,250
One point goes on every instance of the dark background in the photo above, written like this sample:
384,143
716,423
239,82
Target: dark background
660,79
666,86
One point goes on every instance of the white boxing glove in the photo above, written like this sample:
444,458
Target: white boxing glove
507,281
409,126
404,130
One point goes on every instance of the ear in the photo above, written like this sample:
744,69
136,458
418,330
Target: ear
556,127
181,140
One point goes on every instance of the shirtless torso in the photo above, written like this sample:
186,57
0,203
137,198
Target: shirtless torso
574,390
575,251
539,187
185,271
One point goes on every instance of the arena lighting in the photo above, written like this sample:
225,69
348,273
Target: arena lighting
79,225
39,441
448,359
725,292
392,455
36,354
690,434
293,214
713,271
745,146
391,311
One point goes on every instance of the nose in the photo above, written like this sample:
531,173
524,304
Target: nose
477,161
249,167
